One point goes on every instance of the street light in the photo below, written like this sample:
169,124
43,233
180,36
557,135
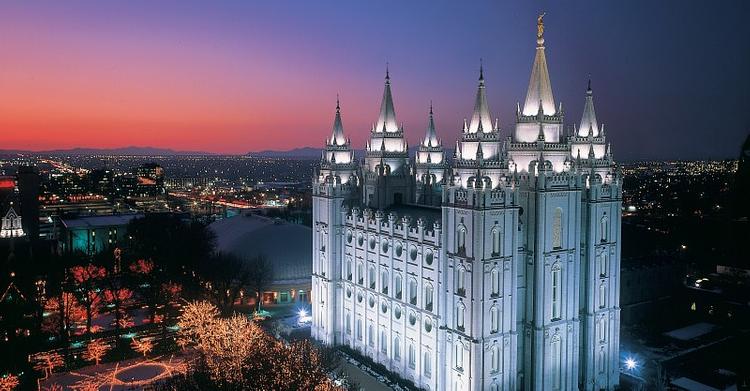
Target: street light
630,363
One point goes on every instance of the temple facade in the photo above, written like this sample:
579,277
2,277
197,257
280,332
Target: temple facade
497,271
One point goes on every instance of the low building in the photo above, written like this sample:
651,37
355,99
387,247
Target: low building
286,245
93,234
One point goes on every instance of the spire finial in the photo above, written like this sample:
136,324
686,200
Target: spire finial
481,69
338,107
387,73
430,106
540,28
588,88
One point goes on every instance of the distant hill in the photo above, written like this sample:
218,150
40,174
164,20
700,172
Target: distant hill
296,153
131,150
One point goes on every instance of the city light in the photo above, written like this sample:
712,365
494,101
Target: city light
304,317
630,363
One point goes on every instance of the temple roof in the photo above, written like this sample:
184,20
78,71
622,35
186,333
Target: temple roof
481,119
337,136
387,119
430,138
588,120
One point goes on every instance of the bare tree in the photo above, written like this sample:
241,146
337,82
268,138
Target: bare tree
226,276
261,277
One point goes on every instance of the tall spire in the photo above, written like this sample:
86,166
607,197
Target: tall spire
337,136
481,113
539,95
588,120
430,138
387,119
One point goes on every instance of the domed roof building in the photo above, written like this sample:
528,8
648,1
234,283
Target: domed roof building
248,236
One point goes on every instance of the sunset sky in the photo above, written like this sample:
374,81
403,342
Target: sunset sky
670,80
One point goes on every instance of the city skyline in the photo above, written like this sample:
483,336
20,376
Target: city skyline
174,75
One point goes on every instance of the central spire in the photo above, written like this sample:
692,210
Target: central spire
387,119
481,119
539,95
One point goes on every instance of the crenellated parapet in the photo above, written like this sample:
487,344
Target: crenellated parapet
417,230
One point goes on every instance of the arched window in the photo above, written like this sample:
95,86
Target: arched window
603,329
459,355
412,291
323,265
398,286
460,281
428,293
371,276
348,323
556,291
460,312
461,239
426,364
360,273
602,295
496,241
603,264
322,240
383,341
557,227
494,320
359,329
495,358
555,363
397,349
371,336
602,360
412,356
495,282
604,229
349,269
384,281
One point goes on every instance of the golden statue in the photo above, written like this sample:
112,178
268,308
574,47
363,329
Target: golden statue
540,25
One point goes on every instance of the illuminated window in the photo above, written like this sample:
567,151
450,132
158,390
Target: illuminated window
412,356
603,329
413,291
396,349
426,365
494,320
496,241
383,341
557,229
556,361
460,281
495,282
495,358
459,355
428,293
556,291
461,239
460,312
604,229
